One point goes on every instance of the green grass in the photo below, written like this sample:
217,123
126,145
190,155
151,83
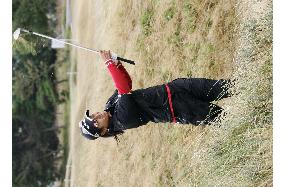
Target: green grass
169,13
146,22
62,66
63,63
191,16
65,143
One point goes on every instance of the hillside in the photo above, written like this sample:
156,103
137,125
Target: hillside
171,39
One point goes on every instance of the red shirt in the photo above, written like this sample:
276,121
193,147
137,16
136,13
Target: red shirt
120,76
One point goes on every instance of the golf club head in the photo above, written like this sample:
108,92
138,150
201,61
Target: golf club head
17,33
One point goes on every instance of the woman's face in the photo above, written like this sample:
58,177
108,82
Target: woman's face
101,120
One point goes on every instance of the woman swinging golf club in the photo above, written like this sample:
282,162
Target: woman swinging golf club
184,101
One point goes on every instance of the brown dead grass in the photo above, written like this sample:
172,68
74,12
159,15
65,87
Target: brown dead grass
156,154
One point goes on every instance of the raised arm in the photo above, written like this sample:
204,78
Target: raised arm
120,76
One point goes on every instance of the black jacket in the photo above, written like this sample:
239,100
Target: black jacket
190,98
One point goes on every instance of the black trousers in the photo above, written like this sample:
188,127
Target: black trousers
192,99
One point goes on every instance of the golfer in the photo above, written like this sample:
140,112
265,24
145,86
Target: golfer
182,101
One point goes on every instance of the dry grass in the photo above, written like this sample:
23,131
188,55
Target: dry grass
171,39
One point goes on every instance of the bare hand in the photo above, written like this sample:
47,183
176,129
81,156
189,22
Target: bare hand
105,55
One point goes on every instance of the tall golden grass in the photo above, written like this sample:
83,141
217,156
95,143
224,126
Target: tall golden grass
171,39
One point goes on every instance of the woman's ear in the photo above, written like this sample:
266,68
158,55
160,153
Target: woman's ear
92,116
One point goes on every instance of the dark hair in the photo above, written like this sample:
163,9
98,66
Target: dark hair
113,134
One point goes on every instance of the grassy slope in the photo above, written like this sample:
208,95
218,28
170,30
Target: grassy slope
169,39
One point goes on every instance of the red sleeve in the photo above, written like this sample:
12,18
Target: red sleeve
120,76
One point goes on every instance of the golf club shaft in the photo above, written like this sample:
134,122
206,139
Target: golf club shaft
74,45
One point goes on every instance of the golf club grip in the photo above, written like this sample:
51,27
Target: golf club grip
126,60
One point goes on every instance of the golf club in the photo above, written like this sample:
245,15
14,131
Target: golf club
18,31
